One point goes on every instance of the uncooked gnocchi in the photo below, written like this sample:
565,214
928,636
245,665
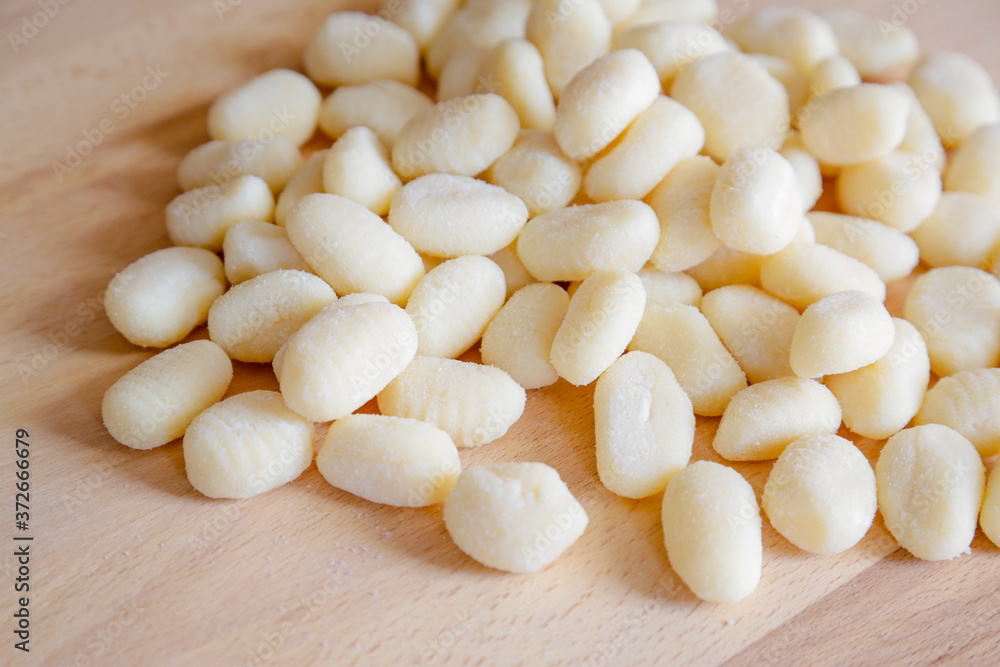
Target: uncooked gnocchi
154,402
712,532
931,483
245,445
969,402
516,517
388,460
765,417
472,403
644,426
821,494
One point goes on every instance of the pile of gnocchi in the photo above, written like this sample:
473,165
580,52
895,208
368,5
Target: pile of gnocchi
616,192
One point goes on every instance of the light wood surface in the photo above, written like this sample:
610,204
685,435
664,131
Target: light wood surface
132,567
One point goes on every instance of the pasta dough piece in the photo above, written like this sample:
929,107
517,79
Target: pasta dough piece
670,287
602,99
247,444
658,139
671,45
449,216
388,460
353,47
797,35
385,106
341,358
159,299
255,318
875,113
804,273
462,136
154,402
681,202
352,249
201,217
572,243
421,18
898,189
516,517
306,181
357,167
483,23
600,321
472,403
712,532
957,310
738,103
252,248
821,494
841,333
957,93
727,267
756,206
538,172
964,229
975,165
880,399
519,338
755,327
453,303
930,488
569,37
969,402
682,337
889,252
644,426
275,160
514,70
280,102
514,273
879,54
765,417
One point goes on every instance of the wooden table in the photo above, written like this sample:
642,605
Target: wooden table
130,566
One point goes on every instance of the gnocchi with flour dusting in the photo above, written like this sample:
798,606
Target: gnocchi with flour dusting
625,205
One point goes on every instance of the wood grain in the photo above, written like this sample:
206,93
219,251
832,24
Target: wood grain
131,566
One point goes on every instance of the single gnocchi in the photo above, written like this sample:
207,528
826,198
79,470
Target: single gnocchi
516,517
569,37
519,338
683,338
601,319
957,310
354,48
969,402
963,229
155,402
275,160
253,247
159,299
384,105
931,483
388,460
841,333
755,327
804,273
821,494
254,319
445,215
886,250
357,167
681,202
537,171
246,445
765,417
644,426
880,399
344,356
712,532
572,243
353,249
281,102
452,305
201,217
472,403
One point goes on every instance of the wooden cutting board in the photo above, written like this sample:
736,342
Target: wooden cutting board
130,566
